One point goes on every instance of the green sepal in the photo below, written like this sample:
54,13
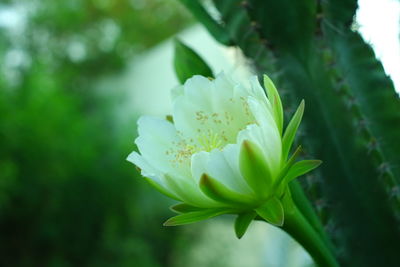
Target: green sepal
272,211
254,168
287,201
195,216
161,189
243,221
219,192
184,208
289,164
275,101
187,63
300,168
291,130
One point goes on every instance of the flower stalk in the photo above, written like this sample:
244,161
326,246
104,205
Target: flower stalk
303,232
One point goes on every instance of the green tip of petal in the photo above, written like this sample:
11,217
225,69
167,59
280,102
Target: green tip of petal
219,192
255,169
275,100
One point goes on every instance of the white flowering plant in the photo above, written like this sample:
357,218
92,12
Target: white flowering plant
223,151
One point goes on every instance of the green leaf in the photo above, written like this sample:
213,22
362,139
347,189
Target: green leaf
187,63
275,100
300,168
242,222
184,208
216,30
291,130
195,216
161,189
254,168
272,211
219,192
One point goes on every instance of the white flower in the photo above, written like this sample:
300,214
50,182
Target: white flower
223,153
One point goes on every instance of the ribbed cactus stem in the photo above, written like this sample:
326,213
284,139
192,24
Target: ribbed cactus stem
372,146
351,119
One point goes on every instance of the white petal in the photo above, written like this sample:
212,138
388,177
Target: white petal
176,92
146,169
223,85
159,144
189,192
257,91
162,154
210,110
149,171
267,140
198,88
199,163
262,113
222,166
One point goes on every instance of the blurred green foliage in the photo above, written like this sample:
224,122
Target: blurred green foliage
67,195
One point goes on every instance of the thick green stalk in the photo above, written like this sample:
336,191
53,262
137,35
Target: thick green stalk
301,230
307,210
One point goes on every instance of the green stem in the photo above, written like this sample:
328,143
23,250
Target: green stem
307,210
300,229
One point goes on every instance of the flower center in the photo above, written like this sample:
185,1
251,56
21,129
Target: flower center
212,129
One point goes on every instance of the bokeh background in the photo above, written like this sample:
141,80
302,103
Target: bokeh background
74,77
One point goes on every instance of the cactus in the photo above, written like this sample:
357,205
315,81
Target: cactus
352,121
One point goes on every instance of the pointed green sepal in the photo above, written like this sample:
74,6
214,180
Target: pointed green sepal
272,211
161,189
219,192
242,222
291,130
187,63
300,168
294,156
254,168
195,216
183,208
289,164
275,101
287,201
